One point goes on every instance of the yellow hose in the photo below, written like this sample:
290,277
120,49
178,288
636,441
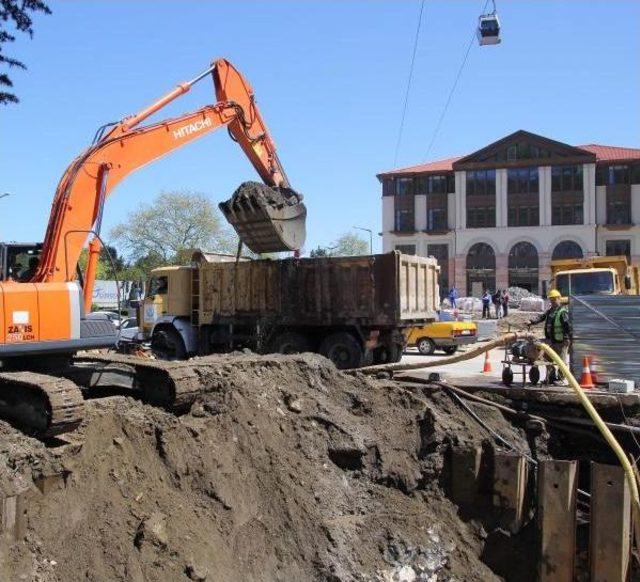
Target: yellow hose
602,427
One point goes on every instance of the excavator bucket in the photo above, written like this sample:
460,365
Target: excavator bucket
267,220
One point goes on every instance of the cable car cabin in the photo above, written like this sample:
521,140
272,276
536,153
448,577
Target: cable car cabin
488,29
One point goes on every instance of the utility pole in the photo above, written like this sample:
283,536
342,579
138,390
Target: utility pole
370,237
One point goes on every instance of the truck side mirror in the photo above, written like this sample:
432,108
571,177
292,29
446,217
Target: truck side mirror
627,282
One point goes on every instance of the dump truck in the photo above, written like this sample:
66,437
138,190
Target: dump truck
354,310
612,275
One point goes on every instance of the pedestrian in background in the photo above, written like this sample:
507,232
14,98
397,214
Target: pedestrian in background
453,295
496,298
486,305
505,303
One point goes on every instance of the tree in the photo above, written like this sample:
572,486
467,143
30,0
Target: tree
349,244
173,223
318,252
17,13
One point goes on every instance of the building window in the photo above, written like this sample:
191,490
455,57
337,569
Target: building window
441,253
404,186
566,178
567,195
521,151
618,247
404,214
437,220
481,198
388,187
523,197
617,175
404,220
406,249
619,206
481,268
567,249
523,266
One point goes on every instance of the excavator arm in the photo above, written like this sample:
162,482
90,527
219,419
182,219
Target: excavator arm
89,180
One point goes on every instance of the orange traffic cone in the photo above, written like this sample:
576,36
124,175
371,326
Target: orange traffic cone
487,364
586,381
593,366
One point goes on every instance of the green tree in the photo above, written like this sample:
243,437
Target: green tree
173,223
319,252
16,14
349,244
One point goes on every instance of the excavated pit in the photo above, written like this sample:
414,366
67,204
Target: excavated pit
286,469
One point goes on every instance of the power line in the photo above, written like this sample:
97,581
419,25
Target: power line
406,95
455,84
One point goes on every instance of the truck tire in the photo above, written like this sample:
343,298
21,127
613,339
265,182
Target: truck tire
450,350
289,342
167,344
426,346
343,350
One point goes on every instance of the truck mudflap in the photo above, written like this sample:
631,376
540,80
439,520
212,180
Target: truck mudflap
267,220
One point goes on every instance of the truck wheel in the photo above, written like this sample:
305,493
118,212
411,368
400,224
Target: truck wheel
450,350
343,350
388,354
289,342
167,344
426,346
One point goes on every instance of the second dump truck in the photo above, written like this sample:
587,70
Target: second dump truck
354,310
610,275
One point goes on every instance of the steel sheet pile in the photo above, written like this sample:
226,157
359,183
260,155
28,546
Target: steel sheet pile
607,328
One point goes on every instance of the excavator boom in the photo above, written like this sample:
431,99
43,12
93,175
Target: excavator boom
127,146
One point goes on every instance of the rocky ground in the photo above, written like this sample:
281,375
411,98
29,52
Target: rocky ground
286,469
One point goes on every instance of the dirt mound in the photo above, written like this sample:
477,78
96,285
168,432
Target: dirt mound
285,470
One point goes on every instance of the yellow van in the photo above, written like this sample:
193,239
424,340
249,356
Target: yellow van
444,335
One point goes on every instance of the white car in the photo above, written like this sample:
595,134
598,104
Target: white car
129,330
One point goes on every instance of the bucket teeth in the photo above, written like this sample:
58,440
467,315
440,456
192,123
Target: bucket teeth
267,219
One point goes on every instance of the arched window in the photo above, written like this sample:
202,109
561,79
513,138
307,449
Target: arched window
481,268
523,266
567,249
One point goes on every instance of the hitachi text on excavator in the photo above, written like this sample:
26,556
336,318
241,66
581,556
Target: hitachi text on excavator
44,297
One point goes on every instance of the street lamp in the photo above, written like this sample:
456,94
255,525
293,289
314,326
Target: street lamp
370,237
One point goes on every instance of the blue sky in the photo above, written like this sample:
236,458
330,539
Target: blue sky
330,80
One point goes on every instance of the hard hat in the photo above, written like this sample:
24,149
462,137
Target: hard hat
554,294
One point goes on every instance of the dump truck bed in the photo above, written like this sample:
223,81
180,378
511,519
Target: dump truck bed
375,290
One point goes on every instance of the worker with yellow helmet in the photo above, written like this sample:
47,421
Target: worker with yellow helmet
557,327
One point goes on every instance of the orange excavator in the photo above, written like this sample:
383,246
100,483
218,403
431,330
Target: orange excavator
45,299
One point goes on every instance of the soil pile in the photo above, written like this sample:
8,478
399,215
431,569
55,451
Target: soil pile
285,470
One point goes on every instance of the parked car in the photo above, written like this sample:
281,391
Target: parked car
445,334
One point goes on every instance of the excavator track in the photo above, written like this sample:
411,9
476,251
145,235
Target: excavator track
40,404
173,385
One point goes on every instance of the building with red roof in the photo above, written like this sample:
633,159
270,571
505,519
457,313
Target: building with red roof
495,218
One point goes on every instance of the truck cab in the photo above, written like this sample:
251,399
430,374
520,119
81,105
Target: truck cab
612,275
167,308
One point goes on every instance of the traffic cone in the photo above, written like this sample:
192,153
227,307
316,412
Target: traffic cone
487,364
593,366
586,381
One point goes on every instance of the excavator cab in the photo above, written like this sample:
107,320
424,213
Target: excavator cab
18,261
267,219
